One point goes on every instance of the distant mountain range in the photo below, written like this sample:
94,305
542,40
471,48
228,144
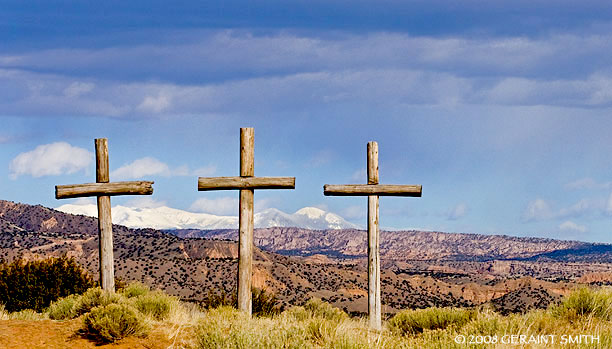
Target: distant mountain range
413,245
420,269
169,218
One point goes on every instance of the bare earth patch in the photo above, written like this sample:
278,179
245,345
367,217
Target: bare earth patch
65,334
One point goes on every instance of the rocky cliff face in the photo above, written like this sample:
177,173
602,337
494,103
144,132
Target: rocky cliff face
395,245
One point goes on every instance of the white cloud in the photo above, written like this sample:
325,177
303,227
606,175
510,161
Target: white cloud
144,202
457,212
354,212
155,104
228,205
581,208
205,171
223,206
77,89
569,226
84,201
51,159
265,203
322,206
537,210
149,166
587,183
540,210
608,210
371,69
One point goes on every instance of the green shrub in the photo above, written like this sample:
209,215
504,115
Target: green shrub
226,327
95,297
113,322
135,289
585,302
317,308
415,321
35,284
263,303
64,308
321,331
298,313
219,299
26,314
155,304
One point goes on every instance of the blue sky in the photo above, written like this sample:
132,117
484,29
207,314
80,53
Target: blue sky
502,111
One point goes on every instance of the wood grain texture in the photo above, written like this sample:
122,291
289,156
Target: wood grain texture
108,189
105,222
247,152
102,173
105,231
230,183
372,163
246,183
245,252
374,303
372,189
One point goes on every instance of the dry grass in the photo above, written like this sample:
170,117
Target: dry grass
319,326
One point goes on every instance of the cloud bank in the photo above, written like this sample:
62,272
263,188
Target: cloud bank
373,68
51,160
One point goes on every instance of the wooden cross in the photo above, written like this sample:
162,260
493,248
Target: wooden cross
246,183
104,189
373,190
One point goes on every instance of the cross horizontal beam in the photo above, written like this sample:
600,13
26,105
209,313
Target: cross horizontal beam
228,183
372,189
107,189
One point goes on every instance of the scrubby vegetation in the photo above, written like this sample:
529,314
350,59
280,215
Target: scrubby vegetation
263,303
111,316
155,304
35,284
115,321
318,325
586,303
136,311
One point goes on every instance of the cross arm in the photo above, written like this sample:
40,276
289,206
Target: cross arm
372,189
228,183
100,189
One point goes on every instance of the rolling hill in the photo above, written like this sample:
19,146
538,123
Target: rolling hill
420,269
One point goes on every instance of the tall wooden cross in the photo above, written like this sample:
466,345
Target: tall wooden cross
104,189
373,190
246,183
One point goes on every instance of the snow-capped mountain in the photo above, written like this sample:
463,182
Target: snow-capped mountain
169,218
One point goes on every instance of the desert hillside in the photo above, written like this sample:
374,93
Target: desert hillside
298,264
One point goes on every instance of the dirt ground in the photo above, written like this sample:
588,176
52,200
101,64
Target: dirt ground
51,334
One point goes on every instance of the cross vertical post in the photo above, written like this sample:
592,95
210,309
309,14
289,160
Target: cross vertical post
103,189
373,190
245,222
374,303
105,222
246,183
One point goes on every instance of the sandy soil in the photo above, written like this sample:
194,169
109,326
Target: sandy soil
51,334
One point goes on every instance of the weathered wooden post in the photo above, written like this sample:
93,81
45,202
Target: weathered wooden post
246,183
104,189
373,190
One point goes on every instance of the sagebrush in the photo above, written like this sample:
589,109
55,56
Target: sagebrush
35,284
115,321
